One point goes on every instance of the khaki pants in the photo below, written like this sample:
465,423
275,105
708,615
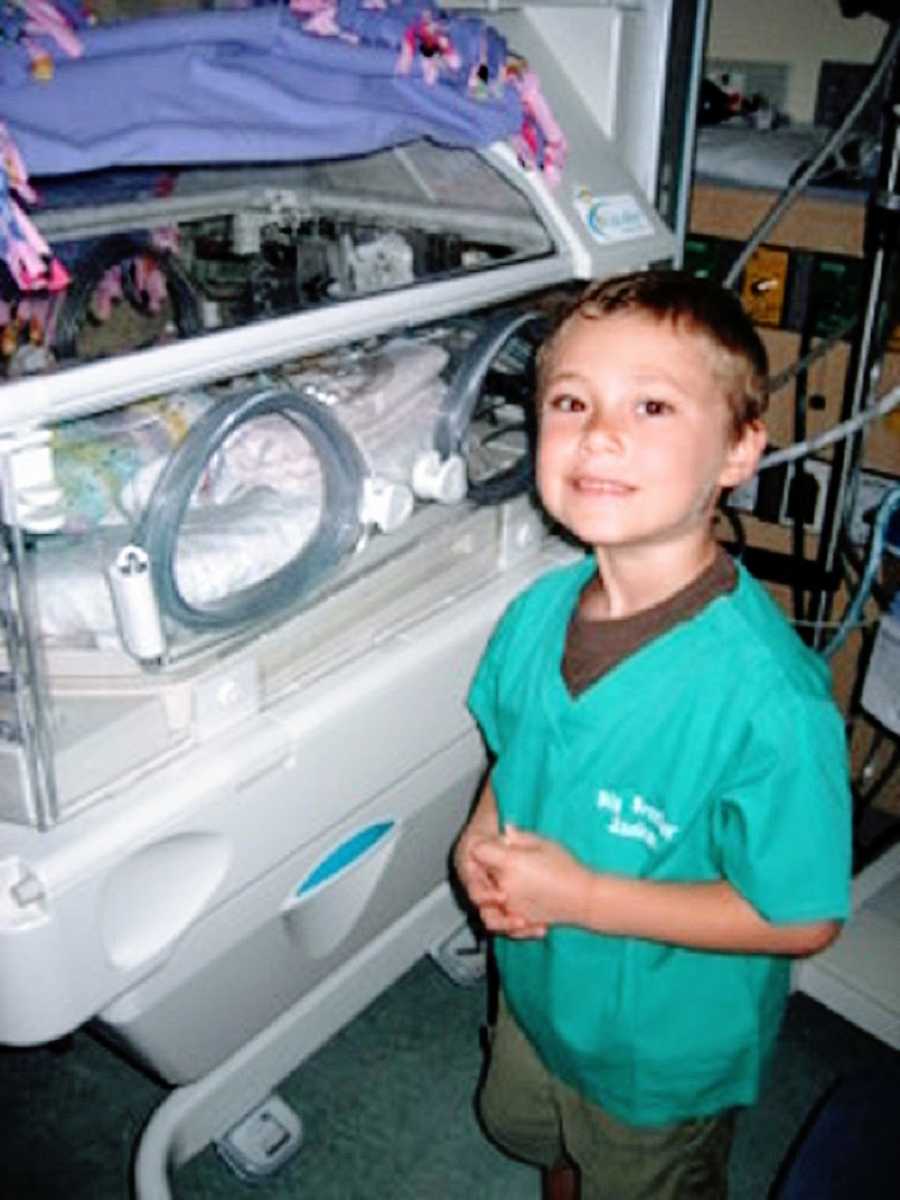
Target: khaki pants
535,1117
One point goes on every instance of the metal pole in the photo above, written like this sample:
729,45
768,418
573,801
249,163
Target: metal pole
867,347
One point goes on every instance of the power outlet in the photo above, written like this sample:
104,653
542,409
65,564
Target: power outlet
804,494
781,494
764,289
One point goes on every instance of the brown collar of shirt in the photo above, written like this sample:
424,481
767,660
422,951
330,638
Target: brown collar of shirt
594,647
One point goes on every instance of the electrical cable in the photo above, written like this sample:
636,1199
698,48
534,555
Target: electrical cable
115,251
336,534
801,483
889,504
776,382
885,57
836,433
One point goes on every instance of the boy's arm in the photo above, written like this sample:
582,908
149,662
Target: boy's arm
482,826
543,885
483,829
484,819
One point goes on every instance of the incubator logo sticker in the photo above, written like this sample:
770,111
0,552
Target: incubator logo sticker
633,817
612,218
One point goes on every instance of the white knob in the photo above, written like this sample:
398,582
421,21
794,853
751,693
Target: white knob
385,504
135,605
442,479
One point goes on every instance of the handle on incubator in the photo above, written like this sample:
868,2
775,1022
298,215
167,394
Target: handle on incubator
344,856
326,906
337,532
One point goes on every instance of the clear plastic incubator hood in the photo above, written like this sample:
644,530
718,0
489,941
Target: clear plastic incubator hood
274,278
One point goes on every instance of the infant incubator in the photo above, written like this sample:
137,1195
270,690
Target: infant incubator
266,489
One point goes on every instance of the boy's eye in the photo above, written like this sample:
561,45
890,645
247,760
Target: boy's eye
655,408
564,402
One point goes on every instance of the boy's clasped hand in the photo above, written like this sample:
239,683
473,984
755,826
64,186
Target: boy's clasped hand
522,883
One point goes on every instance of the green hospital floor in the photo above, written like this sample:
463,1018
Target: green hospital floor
386,1106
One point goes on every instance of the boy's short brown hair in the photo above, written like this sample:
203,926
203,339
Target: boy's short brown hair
696,305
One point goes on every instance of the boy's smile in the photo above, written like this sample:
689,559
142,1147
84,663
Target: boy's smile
635,436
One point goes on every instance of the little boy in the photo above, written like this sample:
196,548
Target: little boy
666,821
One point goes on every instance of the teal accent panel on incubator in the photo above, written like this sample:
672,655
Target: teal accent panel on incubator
345,855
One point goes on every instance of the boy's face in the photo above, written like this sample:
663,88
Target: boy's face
635,435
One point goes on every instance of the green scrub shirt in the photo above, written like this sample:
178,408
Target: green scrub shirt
714,751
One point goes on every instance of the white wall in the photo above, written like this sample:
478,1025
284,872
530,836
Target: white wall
799,32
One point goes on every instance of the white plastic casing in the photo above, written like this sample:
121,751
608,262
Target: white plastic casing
385,504
442,479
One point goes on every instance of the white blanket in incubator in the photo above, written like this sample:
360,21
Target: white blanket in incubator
259,496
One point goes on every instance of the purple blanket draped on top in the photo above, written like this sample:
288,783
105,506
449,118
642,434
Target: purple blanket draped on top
203,87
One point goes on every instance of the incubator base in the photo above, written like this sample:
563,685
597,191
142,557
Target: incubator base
282,856
462,956
194,1115
263,1142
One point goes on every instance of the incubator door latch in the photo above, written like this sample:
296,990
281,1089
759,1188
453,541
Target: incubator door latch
31,498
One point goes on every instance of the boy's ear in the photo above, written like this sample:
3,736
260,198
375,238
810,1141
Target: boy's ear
743,455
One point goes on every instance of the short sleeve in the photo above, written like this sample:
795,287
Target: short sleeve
483,699
784,817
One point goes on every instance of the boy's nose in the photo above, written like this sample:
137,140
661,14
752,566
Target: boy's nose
603,430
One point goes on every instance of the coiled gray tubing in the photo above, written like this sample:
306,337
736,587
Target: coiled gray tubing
464,393
466,385
337,532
